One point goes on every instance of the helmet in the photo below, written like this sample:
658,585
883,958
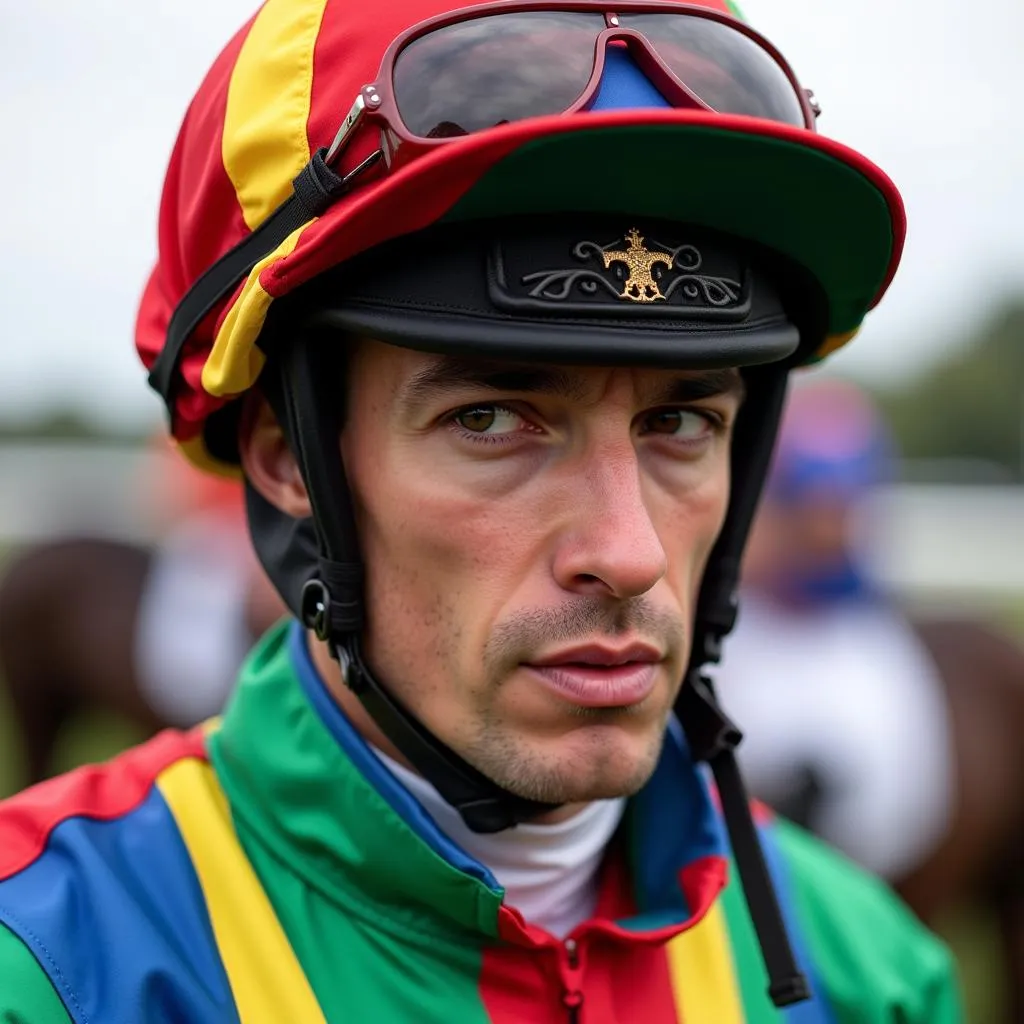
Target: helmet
500,184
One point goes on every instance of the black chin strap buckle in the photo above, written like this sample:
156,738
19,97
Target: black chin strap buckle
353,669
331,603
709,730
315,608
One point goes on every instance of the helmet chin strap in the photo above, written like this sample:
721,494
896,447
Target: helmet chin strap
483,804
326,590
315,565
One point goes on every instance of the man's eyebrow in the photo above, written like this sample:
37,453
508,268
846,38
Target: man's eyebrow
452,373
703,384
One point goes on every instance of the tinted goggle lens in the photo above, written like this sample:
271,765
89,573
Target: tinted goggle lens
724,68
486,71
504,67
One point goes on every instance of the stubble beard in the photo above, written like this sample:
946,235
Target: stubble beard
595,769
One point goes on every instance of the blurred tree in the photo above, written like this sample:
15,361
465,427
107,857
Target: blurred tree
64,425
970,406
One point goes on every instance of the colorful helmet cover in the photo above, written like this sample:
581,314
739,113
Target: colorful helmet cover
278,92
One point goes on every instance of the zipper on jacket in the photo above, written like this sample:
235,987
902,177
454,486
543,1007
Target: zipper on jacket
572,993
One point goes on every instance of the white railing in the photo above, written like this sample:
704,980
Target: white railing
936,538
959,540
48,489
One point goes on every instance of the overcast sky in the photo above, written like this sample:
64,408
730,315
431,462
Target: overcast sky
91,95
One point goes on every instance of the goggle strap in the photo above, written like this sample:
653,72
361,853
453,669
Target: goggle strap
315,188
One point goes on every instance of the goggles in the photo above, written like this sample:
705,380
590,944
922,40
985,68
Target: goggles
483,66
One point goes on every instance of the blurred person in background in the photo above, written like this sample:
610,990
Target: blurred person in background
899,738
153,633
853,692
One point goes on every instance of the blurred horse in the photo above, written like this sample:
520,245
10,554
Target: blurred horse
154,633
899,738
979,859
976,860
67,623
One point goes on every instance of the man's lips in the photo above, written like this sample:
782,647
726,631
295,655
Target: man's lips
599,676
599,654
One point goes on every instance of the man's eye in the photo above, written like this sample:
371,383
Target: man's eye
487,419
682,423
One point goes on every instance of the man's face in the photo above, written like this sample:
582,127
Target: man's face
534,539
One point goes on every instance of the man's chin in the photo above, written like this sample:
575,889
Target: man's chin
555,789
589,764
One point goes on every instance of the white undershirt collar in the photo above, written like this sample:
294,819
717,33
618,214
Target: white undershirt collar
549,872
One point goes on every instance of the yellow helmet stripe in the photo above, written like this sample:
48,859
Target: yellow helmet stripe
265,144
235,361
834,342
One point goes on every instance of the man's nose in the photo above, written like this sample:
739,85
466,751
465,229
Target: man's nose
610,546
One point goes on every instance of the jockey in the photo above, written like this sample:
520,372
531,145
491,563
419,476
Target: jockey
852,686
810,543
493,308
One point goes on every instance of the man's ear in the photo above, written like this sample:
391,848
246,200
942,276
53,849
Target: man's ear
267,461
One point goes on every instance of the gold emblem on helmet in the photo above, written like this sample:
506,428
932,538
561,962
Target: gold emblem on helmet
640,285
637,277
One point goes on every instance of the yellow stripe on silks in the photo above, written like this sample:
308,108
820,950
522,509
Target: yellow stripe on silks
265,145
703,976
265,977
235,362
